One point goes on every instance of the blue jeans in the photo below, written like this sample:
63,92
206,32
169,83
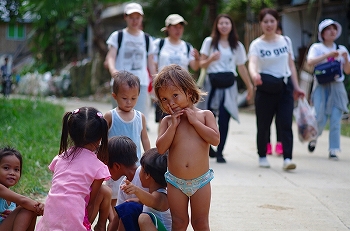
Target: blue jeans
320,97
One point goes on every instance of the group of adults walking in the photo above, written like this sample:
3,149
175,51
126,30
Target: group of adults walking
271,75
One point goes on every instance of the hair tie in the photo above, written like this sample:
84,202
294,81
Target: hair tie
76,111
99,114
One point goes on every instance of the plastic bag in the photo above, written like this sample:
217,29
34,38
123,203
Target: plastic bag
306,121
201,77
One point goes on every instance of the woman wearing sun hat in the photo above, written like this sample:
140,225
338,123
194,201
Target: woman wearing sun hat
330,100
173,50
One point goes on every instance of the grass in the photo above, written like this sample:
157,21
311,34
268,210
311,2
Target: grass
345,128
34,128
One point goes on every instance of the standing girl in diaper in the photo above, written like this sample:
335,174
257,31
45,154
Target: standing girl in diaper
78,171
187,132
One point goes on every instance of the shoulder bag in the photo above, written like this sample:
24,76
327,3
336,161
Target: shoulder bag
222,79
328,72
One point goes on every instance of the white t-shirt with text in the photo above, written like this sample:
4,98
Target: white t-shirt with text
273,57
132,55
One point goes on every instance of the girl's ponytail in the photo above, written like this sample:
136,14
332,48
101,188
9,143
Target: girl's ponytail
102,153
64,135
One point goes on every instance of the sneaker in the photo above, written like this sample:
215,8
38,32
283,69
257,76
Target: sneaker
212,153
279,149
268,149
333,155
263,163
288,164
220,159
312,145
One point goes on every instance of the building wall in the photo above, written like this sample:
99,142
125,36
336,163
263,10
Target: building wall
10,46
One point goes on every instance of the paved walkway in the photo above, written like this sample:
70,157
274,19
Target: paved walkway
315,196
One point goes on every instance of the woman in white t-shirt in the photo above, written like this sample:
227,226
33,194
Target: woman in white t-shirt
173,50
330,100
272,69
222,52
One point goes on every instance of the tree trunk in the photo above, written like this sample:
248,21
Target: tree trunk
99,42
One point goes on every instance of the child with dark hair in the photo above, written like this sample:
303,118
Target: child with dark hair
78,172
156,214
123,162
17,212
124,120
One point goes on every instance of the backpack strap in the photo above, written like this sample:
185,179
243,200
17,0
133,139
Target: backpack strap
120,39
161,44
188,49
147,41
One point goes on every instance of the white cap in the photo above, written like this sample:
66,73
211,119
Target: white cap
324,24
173,19
133,8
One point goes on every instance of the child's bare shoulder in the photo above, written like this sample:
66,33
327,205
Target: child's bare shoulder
203,112
167,118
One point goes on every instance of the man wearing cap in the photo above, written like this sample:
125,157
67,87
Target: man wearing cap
330,99
133,54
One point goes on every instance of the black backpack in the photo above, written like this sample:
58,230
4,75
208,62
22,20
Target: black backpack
120,38
161,44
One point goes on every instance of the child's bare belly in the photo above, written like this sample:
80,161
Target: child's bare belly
188,165
188,153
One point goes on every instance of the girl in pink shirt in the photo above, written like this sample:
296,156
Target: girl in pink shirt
78,171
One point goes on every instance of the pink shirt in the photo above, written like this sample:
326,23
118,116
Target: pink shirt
65,204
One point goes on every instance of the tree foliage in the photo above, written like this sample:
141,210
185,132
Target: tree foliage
59,23
57,29
200,15
9,10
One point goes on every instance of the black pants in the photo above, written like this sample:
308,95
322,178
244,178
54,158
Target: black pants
266,107
223,122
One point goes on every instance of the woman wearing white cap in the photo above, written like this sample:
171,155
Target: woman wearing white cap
130,50
223,53
174,50
330,99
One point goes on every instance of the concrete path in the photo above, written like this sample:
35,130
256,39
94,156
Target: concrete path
315,196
